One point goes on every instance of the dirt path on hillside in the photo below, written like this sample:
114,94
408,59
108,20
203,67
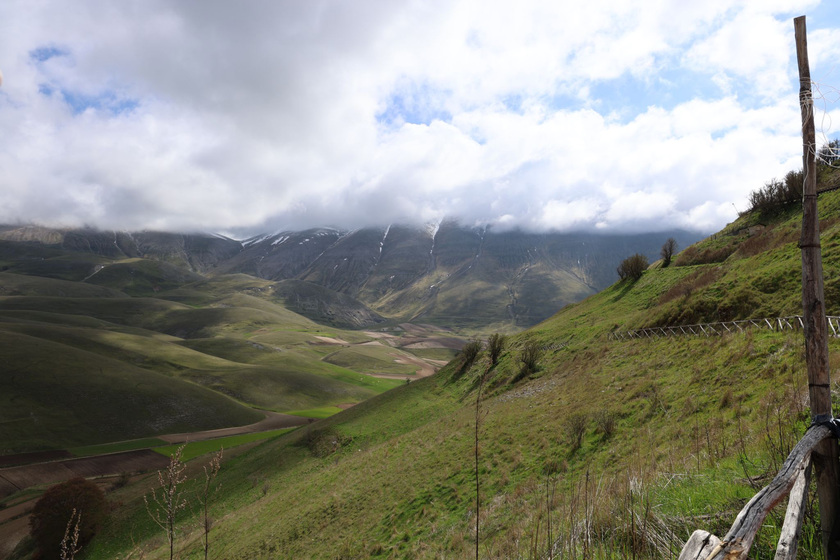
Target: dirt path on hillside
332,340
272,421
425,368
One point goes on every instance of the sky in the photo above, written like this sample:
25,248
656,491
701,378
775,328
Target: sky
257,116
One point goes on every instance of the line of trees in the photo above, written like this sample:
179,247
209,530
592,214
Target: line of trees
777,193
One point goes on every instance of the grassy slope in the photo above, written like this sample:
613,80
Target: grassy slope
90,398
82,348
671,430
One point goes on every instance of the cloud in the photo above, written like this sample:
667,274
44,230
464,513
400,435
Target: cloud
215,116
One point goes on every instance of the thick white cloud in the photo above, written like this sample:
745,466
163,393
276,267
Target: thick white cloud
230,116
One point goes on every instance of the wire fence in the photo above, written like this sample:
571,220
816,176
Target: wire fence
794,322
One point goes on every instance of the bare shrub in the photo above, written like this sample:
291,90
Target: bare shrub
495,345
667,251
70,546
211,471
775,194
632,267
829,154
576,429
529,356
469,353
605,422
122,480
167,499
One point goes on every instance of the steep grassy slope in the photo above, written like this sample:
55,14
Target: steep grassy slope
609,449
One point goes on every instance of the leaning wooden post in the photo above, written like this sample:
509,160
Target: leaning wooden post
825,456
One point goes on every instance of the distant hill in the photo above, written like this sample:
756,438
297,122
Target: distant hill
447,274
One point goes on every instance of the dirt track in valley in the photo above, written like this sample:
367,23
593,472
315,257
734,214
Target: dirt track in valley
13,479
272,421
16,478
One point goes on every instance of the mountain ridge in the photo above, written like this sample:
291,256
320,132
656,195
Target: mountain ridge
448,274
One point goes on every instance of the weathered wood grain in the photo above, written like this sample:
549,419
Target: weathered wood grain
813,303
789,537
699,546
737,542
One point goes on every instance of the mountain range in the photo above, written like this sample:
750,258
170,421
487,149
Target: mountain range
444,274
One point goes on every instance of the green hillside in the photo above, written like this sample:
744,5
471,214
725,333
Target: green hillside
86,364
606,449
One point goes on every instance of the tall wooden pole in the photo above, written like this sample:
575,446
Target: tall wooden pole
825,455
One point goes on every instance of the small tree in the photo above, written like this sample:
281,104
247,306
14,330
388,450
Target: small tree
495,345
211,471
70,546
576,428
528,356
55,511
667,251
469,353
632,267
167,500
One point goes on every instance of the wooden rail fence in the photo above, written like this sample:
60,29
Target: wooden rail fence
794,322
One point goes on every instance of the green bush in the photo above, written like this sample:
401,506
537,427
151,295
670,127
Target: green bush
53,511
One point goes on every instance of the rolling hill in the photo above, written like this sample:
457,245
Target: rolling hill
605,449
86,363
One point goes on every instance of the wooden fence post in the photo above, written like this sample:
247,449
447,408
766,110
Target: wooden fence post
825,456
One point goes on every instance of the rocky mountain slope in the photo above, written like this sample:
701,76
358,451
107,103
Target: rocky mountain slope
446,274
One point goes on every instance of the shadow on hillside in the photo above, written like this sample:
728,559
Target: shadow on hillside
625,287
